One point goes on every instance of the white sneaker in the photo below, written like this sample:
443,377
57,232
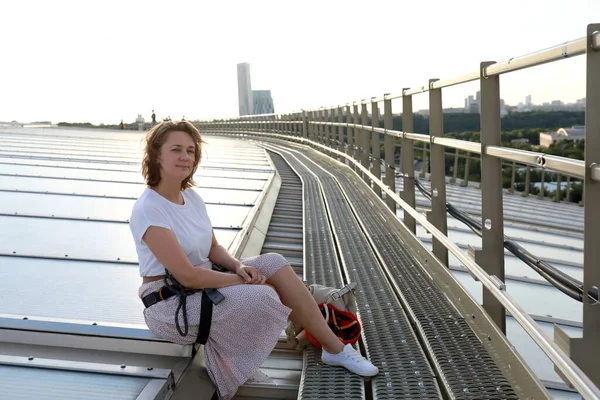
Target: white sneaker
352,360
260,377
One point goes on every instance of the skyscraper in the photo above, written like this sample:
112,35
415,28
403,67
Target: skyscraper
263,102
244,89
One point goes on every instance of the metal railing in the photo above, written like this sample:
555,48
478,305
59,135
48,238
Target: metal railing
358,143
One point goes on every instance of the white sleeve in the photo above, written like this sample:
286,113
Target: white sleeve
144,217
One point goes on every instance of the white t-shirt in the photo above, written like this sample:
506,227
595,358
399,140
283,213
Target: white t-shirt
189,222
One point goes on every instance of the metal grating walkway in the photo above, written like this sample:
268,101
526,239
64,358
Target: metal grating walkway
284,235
464,365
388,336
318,380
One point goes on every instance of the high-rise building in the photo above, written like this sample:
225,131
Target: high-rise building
262,102
244,89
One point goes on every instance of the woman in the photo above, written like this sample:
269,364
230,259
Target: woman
172,231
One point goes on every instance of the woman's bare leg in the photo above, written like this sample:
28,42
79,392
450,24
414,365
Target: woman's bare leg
305,311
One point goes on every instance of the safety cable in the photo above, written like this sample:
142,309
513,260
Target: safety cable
563,282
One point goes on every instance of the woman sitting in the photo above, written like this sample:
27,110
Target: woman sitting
173,232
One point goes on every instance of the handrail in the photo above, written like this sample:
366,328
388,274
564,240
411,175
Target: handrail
497,288
568,166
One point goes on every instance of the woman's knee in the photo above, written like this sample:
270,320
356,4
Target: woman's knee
272,260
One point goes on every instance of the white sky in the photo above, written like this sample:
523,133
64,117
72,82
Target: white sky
100,61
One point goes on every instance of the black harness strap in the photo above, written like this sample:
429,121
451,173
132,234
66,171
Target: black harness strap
206,309
171,288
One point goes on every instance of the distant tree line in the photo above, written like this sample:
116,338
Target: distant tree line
534,121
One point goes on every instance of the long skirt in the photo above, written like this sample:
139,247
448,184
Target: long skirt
245,326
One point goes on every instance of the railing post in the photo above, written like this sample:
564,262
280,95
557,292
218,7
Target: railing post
341,145
437,215
375,145
513,177
527,181
311,127
327,128
465,182
407,160
357,135
332,129
327,131
491,257
349,132
585,351
321,131
455,169
364,141
388,145
304,127
557,197
423,171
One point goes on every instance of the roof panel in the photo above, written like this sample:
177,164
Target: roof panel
35,383
86,240
535,299
71,290
118,210
122,189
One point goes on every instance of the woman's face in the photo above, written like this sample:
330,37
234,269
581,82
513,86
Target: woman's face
177,156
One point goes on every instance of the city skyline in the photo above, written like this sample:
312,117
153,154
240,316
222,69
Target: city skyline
66,65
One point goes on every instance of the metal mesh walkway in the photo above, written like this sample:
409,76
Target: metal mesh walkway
464,365
319,381
388,336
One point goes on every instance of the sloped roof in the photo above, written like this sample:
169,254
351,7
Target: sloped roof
68,262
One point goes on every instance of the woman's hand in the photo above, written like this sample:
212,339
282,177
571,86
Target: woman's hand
250,274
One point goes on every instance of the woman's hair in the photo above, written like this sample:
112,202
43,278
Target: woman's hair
156,137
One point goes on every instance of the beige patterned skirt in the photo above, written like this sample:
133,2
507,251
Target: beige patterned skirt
244,330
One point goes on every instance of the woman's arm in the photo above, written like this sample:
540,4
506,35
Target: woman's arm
219,255
163,244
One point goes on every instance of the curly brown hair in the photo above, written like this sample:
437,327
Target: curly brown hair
155,138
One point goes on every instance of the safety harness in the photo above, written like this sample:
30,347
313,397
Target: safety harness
172,288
